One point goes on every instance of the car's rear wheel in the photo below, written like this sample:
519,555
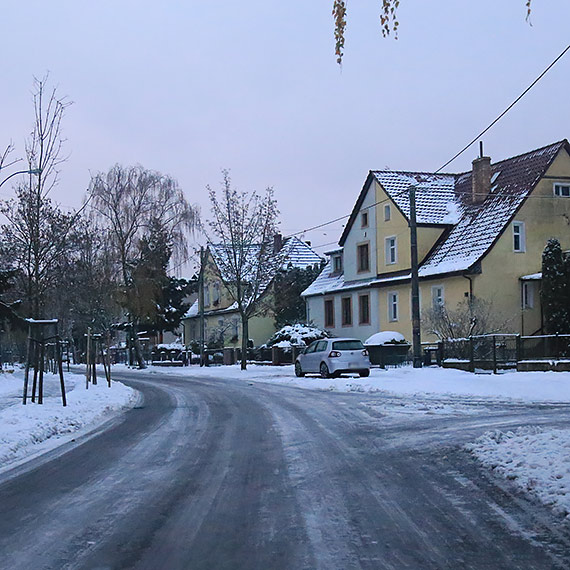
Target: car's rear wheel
324,370
364,373
298,370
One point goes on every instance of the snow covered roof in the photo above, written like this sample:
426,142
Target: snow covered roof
482,224
299,253
436,200
446,200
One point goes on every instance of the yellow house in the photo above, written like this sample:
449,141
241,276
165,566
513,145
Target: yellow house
480,236
222,321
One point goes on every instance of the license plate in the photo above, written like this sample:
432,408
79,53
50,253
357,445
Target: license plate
353,365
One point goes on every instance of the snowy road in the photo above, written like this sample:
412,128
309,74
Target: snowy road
213,474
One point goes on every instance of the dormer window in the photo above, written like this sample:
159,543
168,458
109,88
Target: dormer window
337,263
364,220
562,189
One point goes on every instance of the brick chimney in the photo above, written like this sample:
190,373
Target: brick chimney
277,243
480,178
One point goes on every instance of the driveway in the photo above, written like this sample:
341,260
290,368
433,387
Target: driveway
216,474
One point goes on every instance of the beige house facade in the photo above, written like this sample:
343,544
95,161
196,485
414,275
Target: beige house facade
222,321
480,236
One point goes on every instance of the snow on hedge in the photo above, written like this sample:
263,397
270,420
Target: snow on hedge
385,337
536,460
296,335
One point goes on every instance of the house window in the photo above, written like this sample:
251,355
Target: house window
519,244
364,309
363,257
337,264
206,296
562,189
391,250
527,295
437,296
216,294
387,213
346,311
393,307
329,313
364,220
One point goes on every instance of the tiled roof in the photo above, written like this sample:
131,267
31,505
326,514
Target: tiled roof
445,199
436,200
482,224
299,253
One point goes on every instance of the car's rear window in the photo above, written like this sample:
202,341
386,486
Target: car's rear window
347,345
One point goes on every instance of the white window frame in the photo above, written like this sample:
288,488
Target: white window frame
387,213
437,300
393,307
519,232
339,259
557,189
388,250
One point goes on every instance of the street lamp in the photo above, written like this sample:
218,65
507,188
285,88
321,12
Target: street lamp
36,171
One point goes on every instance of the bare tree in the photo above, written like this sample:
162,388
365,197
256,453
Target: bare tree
470,318
240,237
128,203
36,232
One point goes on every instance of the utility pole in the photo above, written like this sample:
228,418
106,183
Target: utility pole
201,305
416,335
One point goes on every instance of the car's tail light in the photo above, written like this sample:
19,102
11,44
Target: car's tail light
364,352
334,354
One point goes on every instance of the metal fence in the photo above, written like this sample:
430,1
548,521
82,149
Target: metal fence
497,351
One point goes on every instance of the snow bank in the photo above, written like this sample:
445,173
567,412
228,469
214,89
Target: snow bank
22,428
538,461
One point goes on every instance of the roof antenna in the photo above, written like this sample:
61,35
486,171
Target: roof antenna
480,149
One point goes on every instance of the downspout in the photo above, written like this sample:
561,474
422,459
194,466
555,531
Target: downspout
470,295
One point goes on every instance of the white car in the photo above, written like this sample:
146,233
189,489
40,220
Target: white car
333,356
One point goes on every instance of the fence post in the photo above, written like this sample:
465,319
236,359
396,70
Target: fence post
494,354
471,355
439,355
519,346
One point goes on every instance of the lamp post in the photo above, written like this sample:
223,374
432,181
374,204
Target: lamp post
36,171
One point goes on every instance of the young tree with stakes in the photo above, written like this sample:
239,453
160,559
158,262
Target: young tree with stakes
35,236
241,232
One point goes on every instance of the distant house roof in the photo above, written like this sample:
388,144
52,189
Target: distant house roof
445,200
294,253
298,253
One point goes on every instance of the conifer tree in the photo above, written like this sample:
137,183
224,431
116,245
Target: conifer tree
555,292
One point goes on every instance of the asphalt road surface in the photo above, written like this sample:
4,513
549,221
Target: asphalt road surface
212,474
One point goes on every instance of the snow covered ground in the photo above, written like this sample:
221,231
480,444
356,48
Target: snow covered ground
27,431
405,381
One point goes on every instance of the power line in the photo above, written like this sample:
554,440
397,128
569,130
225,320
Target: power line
486,129
505,111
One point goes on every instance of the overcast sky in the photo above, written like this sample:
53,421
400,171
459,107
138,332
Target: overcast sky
188,88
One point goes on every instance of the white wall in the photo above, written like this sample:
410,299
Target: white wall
316,314
358,235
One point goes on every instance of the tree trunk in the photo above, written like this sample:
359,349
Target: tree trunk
244,340
138,348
